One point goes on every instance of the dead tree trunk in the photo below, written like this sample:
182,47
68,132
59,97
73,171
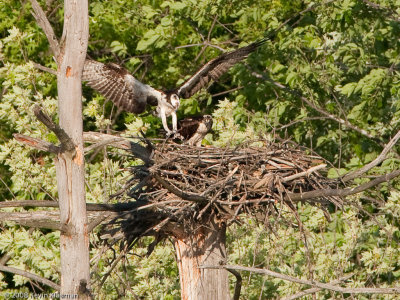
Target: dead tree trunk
74,241
206,246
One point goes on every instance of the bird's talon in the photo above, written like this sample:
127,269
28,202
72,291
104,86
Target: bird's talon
178,136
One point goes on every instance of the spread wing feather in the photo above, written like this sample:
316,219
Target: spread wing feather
215,68
116,84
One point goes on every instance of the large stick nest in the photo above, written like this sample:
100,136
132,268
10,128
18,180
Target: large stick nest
180,186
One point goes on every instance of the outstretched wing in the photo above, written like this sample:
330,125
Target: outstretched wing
116,84
215,68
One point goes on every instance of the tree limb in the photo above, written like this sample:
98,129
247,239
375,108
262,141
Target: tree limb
316,289
37,219
102,139
305,173
381,157
48,219
327,286
342,192
44,23
37,143
30,275
66,142
178,192
117,207
99,138
46,69
238,285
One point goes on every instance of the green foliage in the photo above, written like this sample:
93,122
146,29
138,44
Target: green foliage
343,57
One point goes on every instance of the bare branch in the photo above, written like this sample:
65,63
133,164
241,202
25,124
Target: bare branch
117,207
97,221
66,142
37,143
30,276
31,203
227,92
5,258
342,192
102,144
305,173
44,23
37,219
238,285
190,45
49,219
314,290
181,194
381,157
102,139
45,69
99,138
327,286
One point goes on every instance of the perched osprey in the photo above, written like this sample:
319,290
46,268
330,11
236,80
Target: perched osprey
125,91
194,129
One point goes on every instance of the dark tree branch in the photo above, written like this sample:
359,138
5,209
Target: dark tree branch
327,286
30,276
238,285
44,23
66,142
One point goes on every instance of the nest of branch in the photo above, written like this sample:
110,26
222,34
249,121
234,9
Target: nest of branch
181,186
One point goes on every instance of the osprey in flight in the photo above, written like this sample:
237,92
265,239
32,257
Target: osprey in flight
125,91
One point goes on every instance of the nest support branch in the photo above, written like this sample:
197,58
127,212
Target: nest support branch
181,186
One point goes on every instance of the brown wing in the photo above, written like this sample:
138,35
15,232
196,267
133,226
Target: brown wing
188,126
116,84
215,68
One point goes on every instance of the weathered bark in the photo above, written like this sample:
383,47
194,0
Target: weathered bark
74,240
206,246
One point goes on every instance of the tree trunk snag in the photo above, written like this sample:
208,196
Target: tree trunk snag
74,240
205,246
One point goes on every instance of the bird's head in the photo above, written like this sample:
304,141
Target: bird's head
208,121
174,100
